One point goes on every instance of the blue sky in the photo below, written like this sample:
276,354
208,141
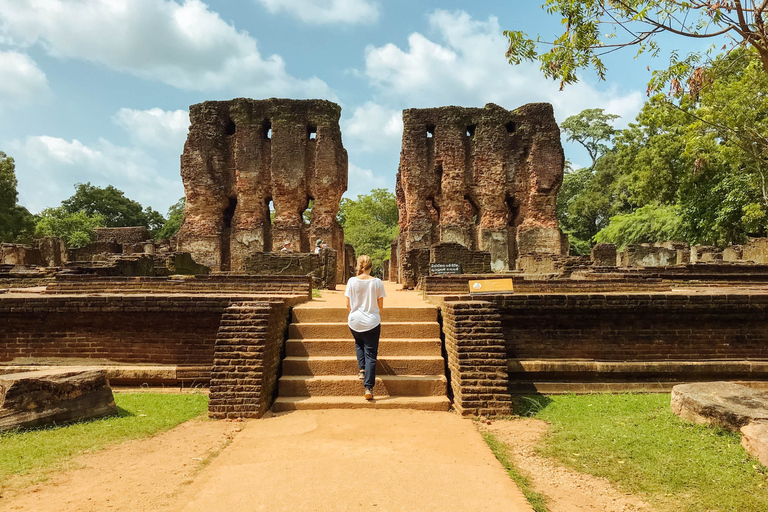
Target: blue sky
98,90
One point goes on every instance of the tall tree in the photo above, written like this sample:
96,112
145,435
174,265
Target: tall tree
16,223
76,229
592,129
111,203
594,28
370,224
175,218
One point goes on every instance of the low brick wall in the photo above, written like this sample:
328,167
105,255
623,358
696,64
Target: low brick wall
458,284
477,362
215,284
600,342
247,356
175,331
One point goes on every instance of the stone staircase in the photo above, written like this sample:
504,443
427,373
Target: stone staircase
320,367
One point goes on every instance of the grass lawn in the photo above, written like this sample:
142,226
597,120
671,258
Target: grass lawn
139,415
635,441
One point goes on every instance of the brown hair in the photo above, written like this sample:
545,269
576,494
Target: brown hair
363,263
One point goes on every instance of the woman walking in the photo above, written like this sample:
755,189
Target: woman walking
365,300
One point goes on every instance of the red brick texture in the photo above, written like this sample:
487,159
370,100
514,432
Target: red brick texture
247,356
239,284
477,360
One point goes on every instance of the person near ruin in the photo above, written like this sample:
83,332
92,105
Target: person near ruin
286,247
318,245
365,300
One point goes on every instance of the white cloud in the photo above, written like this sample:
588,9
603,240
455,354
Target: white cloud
184,45
374,127
362,181
318,12
48,167
22,80
467,67
155,127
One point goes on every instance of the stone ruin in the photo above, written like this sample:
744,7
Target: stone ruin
485,178
243,155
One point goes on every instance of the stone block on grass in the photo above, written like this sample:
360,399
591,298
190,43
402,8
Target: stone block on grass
65,395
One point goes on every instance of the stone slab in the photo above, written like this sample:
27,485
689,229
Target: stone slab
725,404
43,397
754,439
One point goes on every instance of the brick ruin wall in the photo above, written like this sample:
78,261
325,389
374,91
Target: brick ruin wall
123,236
485,178
240,156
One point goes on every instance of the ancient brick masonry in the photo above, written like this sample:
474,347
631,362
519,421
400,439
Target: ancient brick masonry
246,359
486,178
241,155
477,360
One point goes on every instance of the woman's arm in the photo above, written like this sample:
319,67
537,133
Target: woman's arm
349,308
381,303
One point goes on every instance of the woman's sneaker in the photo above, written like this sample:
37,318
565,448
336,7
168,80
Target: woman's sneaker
368,394
361,374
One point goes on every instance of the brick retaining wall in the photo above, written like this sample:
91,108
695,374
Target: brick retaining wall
215,284
477,363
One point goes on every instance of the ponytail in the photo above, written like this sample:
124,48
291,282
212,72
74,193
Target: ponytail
363,264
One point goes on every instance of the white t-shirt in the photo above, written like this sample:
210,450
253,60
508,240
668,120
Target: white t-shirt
364,297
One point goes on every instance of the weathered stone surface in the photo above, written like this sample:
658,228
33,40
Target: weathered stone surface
53,251
603,255
647,255
240,156
725,404
754,439
320,266
733,253
705,254
19,254
123,236
756,250
54,396
485,178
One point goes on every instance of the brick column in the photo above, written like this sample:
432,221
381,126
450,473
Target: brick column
477,359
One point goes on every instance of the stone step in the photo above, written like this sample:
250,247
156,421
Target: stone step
385,365
420,403
345,347
315,314
340,330
386,385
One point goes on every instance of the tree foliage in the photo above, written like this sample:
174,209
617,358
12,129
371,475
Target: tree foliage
592,129
173,224
691,160
76,229
16,223
594,28
370,224
111,203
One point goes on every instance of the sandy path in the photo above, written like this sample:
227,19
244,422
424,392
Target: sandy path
565,489
142,475
353,460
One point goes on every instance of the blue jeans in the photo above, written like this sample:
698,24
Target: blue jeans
367,348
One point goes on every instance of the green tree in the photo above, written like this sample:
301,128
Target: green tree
648,224
592,129
370,224
111,203
594,28
16,223
77,229
173,224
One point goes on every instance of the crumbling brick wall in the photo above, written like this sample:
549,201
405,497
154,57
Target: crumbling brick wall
123,236
477,360
486,178
472,262
247,355
240,156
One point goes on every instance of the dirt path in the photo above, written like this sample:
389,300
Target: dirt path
139,476
566,490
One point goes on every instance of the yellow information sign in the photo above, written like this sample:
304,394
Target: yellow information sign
491,286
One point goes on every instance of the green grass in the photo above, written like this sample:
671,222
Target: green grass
316,293
635,441
139,415
499,449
